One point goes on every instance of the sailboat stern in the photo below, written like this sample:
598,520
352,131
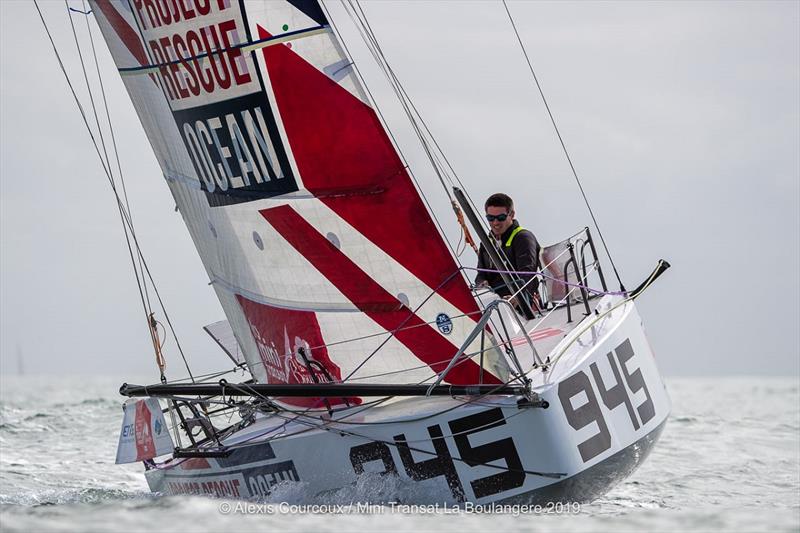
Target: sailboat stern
608,403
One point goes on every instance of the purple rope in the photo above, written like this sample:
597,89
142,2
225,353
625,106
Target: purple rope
539,273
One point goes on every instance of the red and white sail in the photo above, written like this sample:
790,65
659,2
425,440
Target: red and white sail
310,228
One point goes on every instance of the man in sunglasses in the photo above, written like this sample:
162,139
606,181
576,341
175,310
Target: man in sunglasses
517,244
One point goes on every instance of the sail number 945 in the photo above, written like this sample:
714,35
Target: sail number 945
589,411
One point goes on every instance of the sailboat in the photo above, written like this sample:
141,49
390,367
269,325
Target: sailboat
369,352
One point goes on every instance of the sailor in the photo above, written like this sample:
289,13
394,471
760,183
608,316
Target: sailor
516,243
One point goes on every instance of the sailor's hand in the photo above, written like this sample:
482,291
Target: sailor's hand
512,301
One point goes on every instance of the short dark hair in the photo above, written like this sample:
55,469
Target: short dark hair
499,199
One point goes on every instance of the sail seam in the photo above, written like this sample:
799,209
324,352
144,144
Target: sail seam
284,304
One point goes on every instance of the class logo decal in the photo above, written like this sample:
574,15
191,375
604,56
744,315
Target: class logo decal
444,323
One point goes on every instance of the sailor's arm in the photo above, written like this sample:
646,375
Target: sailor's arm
526,252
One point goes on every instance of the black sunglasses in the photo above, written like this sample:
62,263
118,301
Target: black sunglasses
500,218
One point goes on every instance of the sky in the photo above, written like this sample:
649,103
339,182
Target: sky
682,120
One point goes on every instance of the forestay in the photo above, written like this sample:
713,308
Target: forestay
306,220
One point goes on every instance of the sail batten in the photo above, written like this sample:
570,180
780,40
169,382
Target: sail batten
315,239
250,46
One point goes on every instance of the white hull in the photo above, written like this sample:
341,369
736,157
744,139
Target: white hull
607,406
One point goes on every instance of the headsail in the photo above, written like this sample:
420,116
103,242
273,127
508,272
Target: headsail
223,335
315,238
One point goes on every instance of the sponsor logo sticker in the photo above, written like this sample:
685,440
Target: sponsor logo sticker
444,323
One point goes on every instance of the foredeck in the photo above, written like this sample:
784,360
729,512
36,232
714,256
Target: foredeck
549,330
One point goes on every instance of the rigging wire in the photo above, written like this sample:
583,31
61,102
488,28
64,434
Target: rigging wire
377,53
405,443
113,141
365,29
415,118
142,286
362,408
408,106
302,417
140,282
359,18
403,95
126,221
561,140
94,141
412,314
383,120
142,263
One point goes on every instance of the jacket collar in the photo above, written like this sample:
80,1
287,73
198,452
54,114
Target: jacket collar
504,237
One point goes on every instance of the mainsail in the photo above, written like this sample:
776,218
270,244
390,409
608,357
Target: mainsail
315,238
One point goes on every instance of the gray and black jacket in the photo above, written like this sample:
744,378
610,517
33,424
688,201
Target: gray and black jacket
522,250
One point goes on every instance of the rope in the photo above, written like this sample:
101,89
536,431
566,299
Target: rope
464,229
205,378
563,146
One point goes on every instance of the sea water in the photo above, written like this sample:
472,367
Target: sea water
728,460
